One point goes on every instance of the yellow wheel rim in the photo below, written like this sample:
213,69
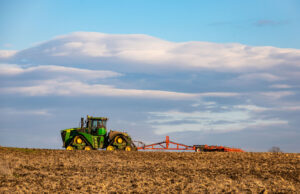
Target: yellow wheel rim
128,148
110,148
87,148
79,140
70,148
120,140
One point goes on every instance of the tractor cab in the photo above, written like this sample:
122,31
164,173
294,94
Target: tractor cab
95,125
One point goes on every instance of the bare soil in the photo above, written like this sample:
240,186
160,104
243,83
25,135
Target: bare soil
52,171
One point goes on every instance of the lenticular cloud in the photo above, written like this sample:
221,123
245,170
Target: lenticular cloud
136,52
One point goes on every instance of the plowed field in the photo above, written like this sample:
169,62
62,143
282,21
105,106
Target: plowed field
52,171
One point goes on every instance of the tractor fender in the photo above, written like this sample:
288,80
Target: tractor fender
113,134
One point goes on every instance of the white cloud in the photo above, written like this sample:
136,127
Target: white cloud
149,53
254,108
57,71
36,112
10,70
281,86
78,88
52,80
208,104
277,94
233,118
259,76
219,94
289,108
251,108
6,54
208,121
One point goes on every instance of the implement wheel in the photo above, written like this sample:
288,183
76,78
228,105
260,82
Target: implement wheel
70,148
87,148
128,148
110,148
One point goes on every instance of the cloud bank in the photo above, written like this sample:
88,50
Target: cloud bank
67,81
137,52
208,121
55,71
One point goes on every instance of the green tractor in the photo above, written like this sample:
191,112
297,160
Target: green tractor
93,135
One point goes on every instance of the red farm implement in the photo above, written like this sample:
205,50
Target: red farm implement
170,145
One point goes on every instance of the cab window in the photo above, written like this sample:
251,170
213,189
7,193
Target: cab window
94,123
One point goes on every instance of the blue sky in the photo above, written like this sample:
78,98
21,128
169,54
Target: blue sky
202,72
274,22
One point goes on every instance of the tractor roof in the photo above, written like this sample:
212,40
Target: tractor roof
98,118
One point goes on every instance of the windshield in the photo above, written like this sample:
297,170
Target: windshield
98,124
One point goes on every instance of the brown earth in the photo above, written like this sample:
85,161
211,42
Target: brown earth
52,171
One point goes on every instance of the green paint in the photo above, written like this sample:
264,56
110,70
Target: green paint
101,131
